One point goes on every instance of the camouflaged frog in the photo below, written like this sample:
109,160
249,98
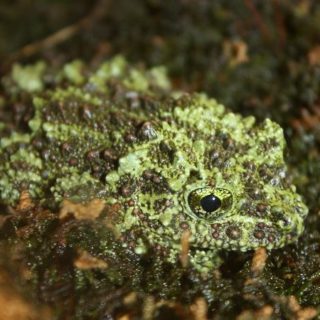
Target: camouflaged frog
171,162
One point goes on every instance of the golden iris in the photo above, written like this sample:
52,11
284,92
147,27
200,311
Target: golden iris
209,203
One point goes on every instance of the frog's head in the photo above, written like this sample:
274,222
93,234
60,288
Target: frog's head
216,174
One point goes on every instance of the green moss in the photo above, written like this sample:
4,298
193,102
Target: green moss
73,72
29,78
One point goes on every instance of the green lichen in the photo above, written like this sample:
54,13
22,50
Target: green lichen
29,78
72,71
172,163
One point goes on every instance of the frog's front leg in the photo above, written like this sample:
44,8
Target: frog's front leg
76,186
21,169
204,261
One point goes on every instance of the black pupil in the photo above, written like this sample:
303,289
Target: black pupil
210,203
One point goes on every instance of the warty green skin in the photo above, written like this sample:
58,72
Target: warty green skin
120,134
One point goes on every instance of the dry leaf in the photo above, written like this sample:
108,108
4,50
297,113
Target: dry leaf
25,202
185,245
14,306
265,313
259,260
199,309
314,56
307,313
86,261
80,211
236,52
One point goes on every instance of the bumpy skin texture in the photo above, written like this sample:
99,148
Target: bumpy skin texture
120,134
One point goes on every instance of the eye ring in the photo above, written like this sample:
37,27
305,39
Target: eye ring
209,203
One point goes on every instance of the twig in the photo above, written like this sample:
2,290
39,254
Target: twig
99,10
258,19
280,24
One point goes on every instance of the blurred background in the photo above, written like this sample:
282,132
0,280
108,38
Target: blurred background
258,57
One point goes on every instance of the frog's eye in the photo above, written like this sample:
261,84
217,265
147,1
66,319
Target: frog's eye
209,203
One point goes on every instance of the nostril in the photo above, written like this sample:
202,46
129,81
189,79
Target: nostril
283,220
195,177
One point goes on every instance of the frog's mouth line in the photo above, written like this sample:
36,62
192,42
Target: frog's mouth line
195,248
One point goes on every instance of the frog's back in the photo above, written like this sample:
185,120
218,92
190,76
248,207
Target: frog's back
79,130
